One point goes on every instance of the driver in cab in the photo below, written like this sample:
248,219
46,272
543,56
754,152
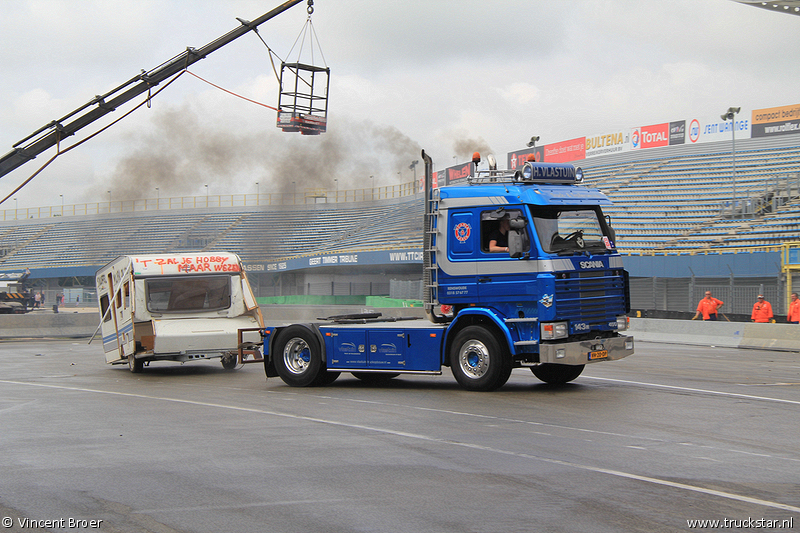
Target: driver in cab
498,239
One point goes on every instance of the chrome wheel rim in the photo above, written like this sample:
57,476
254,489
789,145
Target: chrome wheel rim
473,358
296,355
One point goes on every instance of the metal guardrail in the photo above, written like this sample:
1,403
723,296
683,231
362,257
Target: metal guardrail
305,197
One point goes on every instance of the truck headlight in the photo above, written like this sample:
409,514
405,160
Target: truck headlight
554,330
622,323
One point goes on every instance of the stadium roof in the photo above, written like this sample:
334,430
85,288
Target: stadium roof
791,7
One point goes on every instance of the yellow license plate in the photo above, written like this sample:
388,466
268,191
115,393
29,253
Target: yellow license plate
599,354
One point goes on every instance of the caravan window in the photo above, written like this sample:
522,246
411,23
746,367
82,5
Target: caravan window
104,308
181,294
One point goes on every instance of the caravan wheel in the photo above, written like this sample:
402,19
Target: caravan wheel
135,365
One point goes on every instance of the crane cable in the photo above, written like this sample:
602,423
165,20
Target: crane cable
230,92
303,32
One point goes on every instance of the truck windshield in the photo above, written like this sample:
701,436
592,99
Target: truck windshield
566,230
181,294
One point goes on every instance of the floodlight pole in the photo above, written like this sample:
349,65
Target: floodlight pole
733,157
730,115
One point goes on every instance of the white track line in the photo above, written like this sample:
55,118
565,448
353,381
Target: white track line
690,389
427,438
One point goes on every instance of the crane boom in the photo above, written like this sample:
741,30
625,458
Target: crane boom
49,135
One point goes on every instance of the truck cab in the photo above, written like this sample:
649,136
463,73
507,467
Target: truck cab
520,270
556,294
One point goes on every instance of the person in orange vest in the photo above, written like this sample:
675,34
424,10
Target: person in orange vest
708,307
762,310
794,310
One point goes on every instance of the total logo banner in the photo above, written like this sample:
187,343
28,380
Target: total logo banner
746,124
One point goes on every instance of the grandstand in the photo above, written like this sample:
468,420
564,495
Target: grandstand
686,226
683,200
678,220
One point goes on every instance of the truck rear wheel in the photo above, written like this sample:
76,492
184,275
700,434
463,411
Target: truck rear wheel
557,374
326,378
298,356
478,360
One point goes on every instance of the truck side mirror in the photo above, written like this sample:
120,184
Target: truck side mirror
517,238
611,233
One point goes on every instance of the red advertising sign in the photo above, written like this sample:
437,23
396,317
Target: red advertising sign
459,173
565,151
654,136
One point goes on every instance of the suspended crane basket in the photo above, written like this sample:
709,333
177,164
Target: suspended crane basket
303,98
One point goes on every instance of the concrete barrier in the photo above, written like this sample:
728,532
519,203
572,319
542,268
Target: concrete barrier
45,323
780,337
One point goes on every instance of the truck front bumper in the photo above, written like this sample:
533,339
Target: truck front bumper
583,352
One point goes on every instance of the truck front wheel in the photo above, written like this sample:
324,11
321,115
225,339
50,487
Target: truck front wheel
298,356
478,360
557,374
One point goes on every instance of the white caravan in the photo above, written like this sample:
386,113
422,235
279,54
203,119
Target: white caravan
176,307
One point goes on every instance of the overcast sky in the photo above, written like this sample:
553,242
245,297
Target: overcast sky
449,76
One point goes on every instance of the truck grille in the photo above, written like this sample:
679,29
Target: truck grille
593,297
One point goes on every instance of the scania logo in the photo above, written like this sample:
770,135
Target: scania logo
591,264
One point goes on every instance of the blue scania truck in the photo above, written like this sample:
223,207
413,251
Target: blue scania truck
550,293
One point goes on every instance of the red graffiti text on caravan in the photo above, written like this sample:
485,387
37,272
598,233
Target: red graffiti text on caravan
190,264
210,263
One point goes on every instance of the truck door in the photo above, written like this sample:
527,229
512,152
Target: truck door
457,281
501,277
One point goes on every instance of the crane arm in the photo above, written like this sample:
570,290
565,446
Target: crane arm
49,135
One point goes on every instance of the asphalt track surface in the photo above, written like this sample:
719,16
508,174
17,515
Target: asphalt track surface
669,435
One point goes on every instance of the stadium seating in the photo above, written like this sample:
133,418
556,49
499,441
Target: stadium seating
668,201
257,234
686,203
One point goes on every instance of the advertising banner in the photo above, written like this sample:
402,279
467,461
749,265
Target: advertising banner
565,151
677,132
710,130
381,257
437,178
520,157
776,121
762,123
607,143
650,136
458,174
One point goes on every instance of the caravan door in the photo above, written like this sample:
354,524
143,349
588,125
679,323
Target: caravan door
117,316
